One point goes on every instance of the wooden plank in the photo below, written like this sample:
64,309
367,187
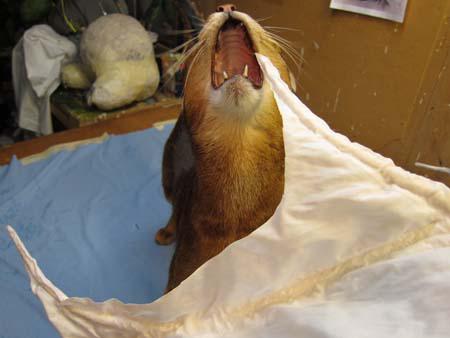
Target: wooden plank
70,108
429,128
67,120
127,123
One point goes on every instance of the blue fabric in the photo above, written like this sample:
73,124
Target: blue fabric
89,217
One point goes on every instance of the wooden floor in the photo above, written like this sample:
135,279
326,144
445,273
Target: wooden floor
124,124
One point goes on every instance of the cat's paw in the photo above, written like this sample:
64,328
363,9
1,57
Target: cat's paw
164,237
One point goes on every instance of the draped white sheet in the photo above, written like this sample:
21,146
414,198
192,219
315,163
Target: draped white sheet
37,60
357,248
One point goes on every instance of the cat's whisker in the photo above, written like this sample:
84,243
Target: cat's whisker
287,48
283,28
170,73
184,44
180,32
200,51
264,19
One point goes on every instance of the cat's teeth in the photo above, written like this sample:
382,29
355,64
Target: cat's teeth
245,73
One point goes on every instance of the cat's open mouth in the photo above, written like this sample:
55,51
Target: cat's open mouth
234,55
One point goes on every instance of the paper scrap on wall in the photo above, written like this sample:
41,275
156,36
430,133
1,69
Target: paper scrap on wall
387,9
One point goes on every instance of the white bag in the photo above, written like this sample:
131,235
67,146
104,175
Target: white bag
37,60
118,62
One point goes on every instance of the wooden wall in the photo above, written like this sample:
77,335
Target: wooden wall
383,84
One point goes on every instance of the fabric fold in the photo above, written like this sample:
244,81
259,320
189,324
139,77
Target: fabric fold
346,211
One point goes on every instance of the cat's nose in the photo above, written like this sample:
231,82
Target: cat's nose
226,8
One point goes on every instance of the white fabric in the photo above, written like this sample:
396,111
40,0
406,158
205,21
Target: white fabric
37,60
357,248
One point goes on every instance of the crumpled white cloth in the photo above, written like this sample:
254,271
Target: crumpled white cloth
357,248
37,60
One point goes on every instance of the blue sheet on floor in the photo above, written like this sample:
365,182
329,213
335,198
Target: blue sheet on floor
89,216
